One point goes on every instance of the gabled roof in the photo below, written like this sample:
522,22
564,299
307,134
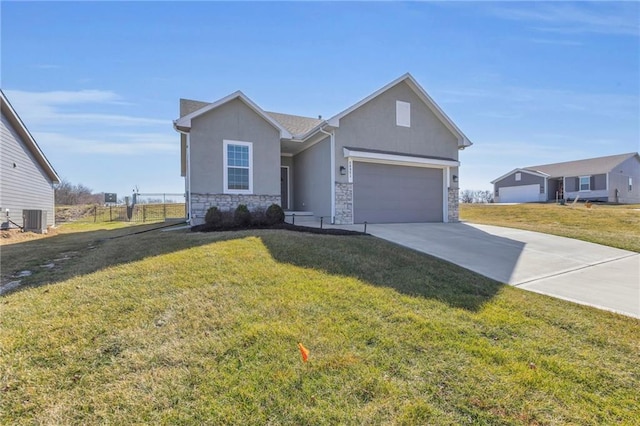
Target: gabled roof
27,138
463,141
531,172
590,166
184,123
296,124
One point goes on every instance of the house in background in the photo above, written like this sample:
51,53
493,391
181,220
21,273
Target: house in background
392,157
27,177
612,179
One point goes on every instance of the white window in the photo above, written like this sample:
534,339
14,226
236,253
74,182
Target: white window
518,177
403,114
630,184
585,183
238,167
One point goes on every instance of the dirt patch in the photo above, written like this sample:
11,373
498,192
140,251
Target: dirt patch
13,236
287,226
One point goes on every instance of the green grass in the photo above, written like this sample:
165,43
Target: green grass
615,226
184,328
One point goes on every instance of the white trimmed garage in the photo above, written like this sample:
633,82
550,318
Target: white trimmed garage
520,194
385,193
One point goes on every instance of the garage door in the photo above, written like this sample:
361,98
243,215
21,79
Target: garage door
384,193
519,194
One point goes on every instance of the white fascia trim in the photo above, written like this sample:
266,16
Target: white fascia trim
401,160
186,120
225,168
463,141
530,172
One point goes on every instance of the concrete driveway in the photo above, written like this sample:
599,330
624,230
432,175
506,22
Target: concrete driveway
585,273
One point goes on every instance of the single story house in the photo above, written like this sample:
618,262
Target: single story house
28,179
391,157
612,179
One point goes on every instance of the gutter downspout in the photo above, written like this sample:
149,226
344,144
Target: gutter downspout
333,174
188,135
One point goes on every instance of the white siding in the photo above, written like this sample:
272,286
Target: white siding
25,186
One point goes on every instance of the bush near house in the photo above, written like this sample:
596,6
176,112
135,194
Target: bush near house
213,216
242,215
274,214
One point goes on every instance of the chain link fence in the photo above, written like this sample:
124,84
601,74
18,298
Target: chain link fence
147,208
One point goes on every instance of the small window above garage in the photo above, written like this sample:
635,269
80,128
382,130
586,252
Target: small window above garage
403,114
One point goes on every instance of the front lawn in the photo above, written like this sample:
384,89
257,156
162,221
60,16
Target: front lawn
615,226
188,328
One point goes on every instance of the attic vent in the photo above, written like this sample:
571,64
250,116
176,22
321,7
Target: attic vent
403,114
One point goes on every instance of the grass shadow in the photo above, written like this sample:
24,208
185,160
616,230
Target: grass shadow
367,258
380,263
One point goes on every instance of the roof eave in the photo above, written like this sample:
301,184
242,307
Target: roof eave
185,122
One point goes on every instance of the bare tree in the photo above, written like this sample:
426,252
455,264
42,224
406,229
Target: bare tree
466,196
67,194
469,196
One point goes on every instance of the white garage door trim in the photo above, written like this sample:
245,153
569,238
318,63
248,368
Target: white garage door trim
404,160
519,194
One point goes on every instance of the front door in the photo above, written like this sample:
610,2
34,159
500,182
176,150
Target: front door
284,188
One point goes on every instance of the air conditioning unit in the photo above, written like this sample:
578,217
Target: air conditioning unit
35,221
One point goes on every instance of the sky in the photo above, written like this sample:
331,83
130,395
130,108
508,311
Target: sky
98,83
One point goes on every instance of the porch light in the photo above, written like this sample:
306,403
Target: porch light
343,170
454,178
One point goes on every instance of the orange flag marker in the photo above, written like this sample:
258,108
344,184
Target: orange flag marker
304,352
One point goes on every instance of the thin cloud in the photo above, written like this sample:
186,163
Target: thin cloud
132,144
555,41
91,122
518,99
619,18
52,108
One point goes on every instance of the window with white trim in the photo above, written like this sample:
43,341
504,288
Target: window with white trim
630,184
585,183
403,114
238,167
518,177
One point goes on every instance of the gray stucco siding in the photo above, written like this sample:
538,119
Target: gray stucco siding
373,126
311,179
233,121
25,186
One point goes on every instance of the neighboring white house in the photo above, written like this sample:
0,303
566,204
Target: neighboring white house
613,179
27,177
392,157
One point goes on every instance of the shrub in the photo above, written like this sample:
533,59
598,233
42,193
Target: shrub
213,216
242,215
259,217
274,214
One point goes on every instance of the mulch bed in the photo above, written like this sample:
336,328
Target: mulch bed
325,231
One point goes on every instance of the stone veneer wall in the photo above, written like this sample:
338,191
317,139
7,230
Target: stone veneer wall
200,203
454,201
344,204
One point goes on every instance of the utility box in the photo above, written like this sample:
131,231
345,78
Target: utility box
34,221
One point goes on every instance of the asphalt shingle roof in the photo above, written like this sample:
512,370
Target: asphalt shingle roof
295,124
589,166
